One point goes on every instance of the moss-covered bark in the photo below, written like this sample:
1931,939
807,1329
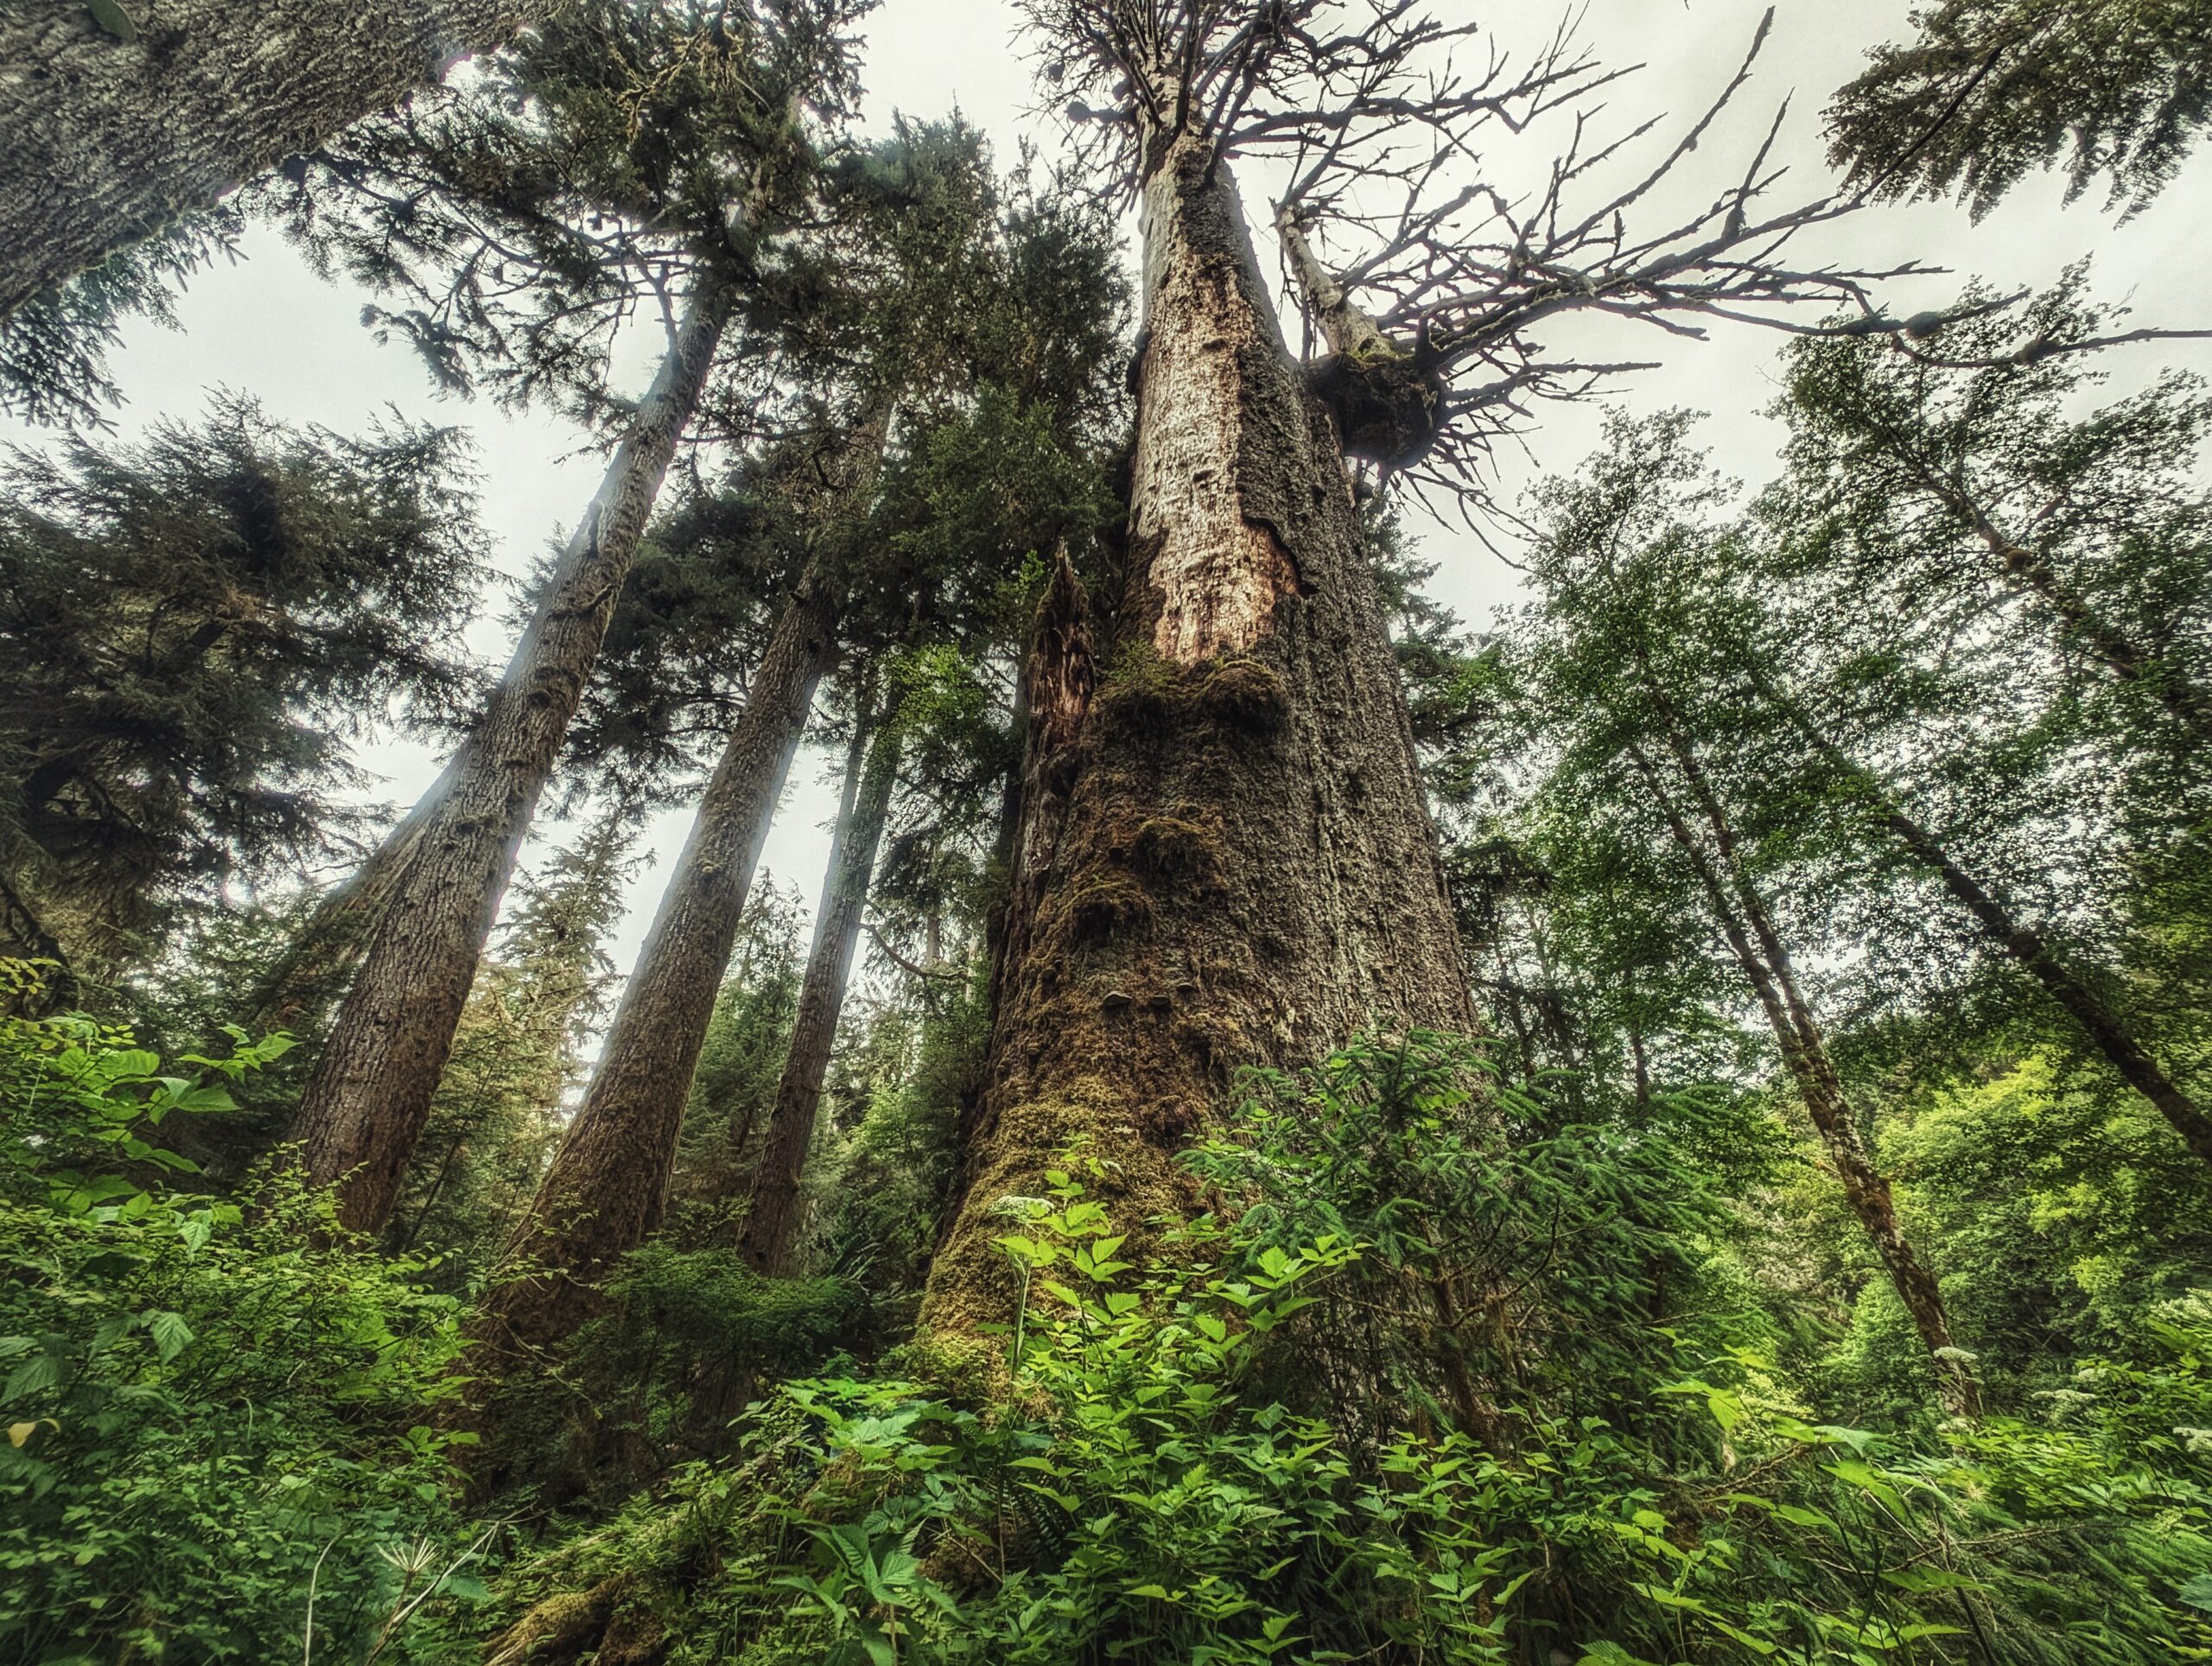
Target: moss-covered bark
1222,856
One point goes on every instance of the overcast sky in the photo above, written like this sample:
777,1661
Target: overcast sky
269,327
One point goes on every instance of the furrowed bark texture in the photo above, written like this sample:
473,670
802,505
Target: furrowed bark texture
770,1240
605,1192
1222,856
1748,925
319,959
363,1109
103,141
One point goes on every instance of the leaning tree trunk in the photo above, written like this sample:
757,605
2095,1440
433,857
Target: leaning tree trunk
105,141
313,969
1749,927
1223,856
364,1105
2108,1033
605,1190
771,1234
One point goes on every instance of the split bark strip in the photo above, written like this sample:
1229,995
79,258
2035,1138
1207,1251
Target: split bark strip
2107,1032
1767,967
1221,854
365,1102
105,141
770,1240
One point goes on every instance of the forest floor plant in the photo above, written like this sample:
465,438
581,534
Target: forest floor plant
1162,1475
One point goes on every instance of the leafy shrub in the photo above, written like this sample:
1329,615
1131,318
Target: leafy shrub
1153,1487
218,1421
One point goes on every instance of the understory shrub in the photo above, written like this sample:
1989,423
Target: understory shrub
218,1418
1645,1489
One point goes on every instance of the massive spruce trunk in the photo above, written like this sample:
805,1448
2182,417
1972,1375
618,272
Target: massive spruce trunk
605,1189
1744,920
1222,853
105,141
770,1239
365,1102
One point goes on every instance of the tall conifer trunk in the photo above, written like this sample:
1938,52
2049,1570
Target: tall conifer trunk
1223,856
105,141
608,1184
771,1235
365,1102
606,1190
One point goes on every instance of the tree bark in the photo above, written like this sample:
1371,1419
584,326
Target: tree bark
365,1102
604,1194
770,1236
105,141
1749,927
323,953
1223,855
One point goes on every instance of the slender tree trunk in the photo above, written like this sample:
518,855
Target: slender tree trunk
771,1235
1223,856
2107,1032
1767,966
2103,1026
2077,621
364,1105
104,141
605,1192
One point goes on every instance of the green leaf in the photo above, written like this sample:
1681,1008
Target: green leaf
112,18
170,1334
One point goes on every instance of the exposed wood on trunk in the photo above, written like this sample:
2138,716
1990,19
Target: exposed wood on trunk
770,1240
1746,922
103,141
364,1105
1222,856
1217,570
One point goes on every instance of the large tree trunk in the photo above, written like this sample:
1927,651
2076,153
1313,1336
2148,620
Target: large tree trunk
365,1102
1748,925
319,959
1222,855
604,1194
771,1234
104,141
